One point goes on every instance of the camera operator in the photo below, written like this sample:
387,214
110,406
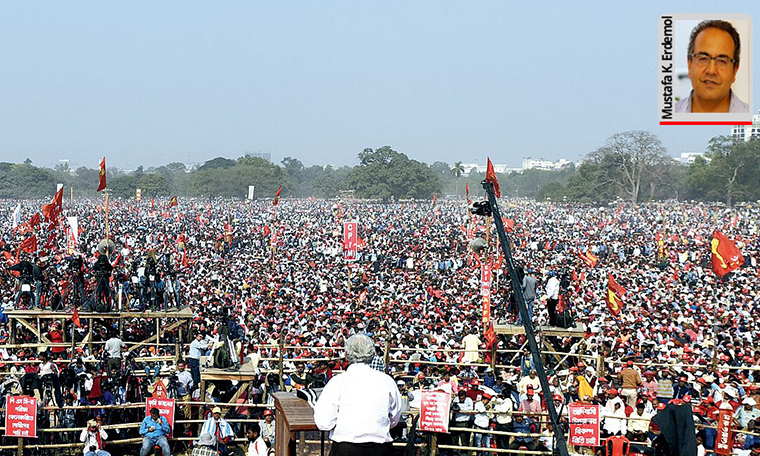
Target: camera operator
26,276
39,278
151,277
172,284
48,372
103,294
94,438
76,269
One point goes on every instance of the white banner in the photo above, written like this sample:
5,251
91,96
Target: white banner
250,191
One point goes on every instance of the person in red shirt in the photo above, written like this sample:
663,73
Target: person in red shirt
474,392
56,337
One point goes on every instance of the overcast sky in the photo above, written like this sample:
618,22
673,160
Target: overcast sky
153,82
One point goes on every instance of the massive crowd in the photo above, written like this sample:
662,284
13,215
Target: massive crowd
259,274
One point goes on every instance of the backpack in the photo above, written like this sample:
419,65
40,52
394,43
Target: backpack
222,358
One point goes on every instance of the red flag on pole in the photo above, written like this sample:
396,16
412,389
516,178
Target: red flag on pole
491,177
435,198
29,245
173,201
726,256
102,175
75,318
277,196
467,192
615,295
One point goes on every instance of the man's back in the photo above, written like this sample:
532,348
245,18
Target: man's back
358,406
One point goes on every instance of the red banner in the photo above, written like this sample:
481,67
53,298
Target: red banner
434,411
584,424
21,416
486,271
723,443
350,241
165,408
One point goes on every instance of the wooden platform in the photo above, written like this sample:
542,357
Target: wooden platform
546,330
224,374
184,312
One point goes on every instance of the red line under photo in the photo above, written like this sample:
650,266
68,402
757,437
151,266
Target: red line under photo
704,123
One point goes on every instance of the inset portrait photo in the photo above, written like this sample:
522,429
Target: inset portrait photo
705,69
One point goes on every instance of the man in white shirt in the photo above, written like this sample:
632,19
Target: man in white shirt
552,297
257,446
482,421
359,406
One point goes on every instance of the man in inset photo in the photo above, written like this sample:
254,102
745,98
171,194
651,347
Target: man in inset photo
713,60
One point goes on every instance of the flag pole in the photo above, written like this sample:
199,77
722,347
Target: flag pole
106,209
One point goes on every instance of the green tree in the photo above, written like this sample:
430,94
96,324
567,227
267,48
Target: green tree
386,174
154,185
217,163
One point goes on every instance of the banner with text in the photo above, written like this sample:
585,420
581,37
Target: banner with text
584,424
21,416
350,241
723,443
434,411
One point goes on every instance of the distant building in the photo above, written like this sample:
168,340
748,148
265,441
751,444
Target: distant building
687,158
544,165
265,155
747,132
474,168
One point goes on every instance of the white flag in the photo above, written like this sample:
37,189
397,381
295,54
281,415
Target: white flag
16,219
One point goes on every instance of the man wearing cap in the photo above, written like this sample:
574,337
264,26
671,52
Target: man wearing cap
359,406
474,392
205,446
681,389
530,403
482,421
94,438
630,381
267,427
220,429
746,413
154,429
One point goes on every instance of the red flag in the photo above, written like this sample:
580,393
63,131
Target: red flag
102,175
435,198
491,177
184,258
363,296
29,245
467,191
267,231
35,220
173,201
75,318
726,256
153,203
277,196
615,295
588,258
51,211
490,335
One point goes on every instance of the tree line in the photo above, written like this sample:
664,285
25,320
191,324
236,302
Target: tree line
633,166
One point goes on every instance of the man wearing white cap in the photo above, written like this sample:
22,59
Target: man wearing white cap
220,429
746,413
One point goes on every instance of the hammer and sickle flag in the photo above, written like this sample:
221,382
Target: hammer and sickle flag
726,256
615,295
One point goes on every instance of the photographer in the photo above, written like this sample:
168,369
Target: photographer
76,268
26,277
94,438
103,268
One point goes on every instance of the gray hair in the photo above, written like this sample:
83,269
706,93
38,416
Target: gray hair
360,349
